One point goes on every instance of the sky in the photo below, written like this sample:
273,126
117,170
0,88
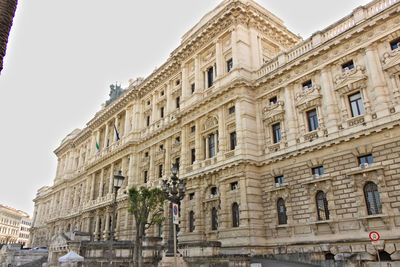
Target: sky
63,55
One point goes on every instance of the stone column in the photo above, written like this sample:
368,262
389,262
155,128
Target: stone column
93,186
207,155
197,141
87,191
222,133
110,181
329,99
185,87
184,147
198,75
235,56
291,118
101,183
128,114
97,228
107,226
377,79
239,125
168,148
130,173
255,53
105,136
221,69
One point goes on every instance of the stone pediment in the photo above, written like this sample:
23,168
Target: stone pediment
349,77
308,98
59,240
273,112
391,61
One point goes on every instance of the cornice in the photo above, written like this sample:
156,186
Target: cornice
325,46
329,143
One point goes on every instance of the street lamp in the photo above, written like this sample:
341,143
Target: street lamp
118,180
174,192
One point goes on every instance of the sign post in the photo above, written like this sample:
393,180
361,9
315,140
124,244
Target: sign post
175,219
374,236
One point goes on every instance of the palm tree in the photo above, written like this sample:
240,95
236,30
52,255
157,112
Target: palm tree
7,11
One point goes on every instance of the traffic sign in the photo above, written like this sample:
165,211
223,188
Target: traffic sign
374,236
175,213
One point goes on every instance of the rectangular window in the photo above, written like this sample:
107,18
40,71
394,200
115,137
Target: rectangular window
191,196
192,87
162,112
148,120
177,140
307,84
318,170
192,129
210,77
211,145
160,167
312,120
161,147
279,180
146,154
348,65
366,159
178,102
145,176
162,93
233,140
276,133
213,191
395,44
231,110
229,65
234,185
356,104
177,163
193,155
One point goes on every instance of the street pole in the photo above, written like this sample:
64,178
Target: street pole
379,258
175,265
112,227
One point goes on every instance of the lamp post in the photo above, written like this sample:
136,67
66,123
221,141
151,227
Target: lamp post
118,180
174,192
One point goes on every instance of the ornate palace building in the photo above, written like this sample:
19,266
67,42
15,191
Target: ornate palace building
286,146
14,226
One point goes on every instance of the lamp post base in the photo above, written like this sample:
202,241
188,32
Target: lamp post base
169,261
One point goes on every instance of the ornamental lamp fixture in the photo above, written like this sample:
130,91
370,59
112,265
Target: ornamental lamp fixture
118,180
174,170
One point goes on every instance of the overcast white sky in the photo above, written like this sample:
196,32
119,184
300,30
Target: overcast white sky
63,55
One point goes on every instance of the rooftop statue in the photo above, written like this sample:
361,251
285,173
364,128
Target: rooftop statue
115,92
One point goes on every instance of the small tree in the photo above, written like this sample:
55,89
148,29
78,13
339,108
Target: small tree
147,207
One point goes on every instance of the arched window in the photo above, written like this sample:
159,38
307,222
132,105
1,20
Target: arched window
372,198
282,219
235,215
322,206
214,219
191,221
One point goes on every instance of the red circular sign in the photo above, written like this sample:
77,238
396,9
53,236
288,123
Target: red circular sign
374,236
175,210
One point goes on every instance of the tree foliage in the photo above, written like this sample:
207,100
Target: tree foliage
146,204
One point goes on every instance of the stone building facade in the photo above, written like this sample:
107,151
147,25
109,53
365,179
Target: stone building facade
14,226
286,146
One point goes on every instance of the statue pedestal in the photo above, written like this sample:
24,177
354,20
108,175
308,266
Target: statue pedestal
169,262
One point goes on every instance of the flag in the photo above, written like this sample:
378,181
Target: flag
97,147
116,132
